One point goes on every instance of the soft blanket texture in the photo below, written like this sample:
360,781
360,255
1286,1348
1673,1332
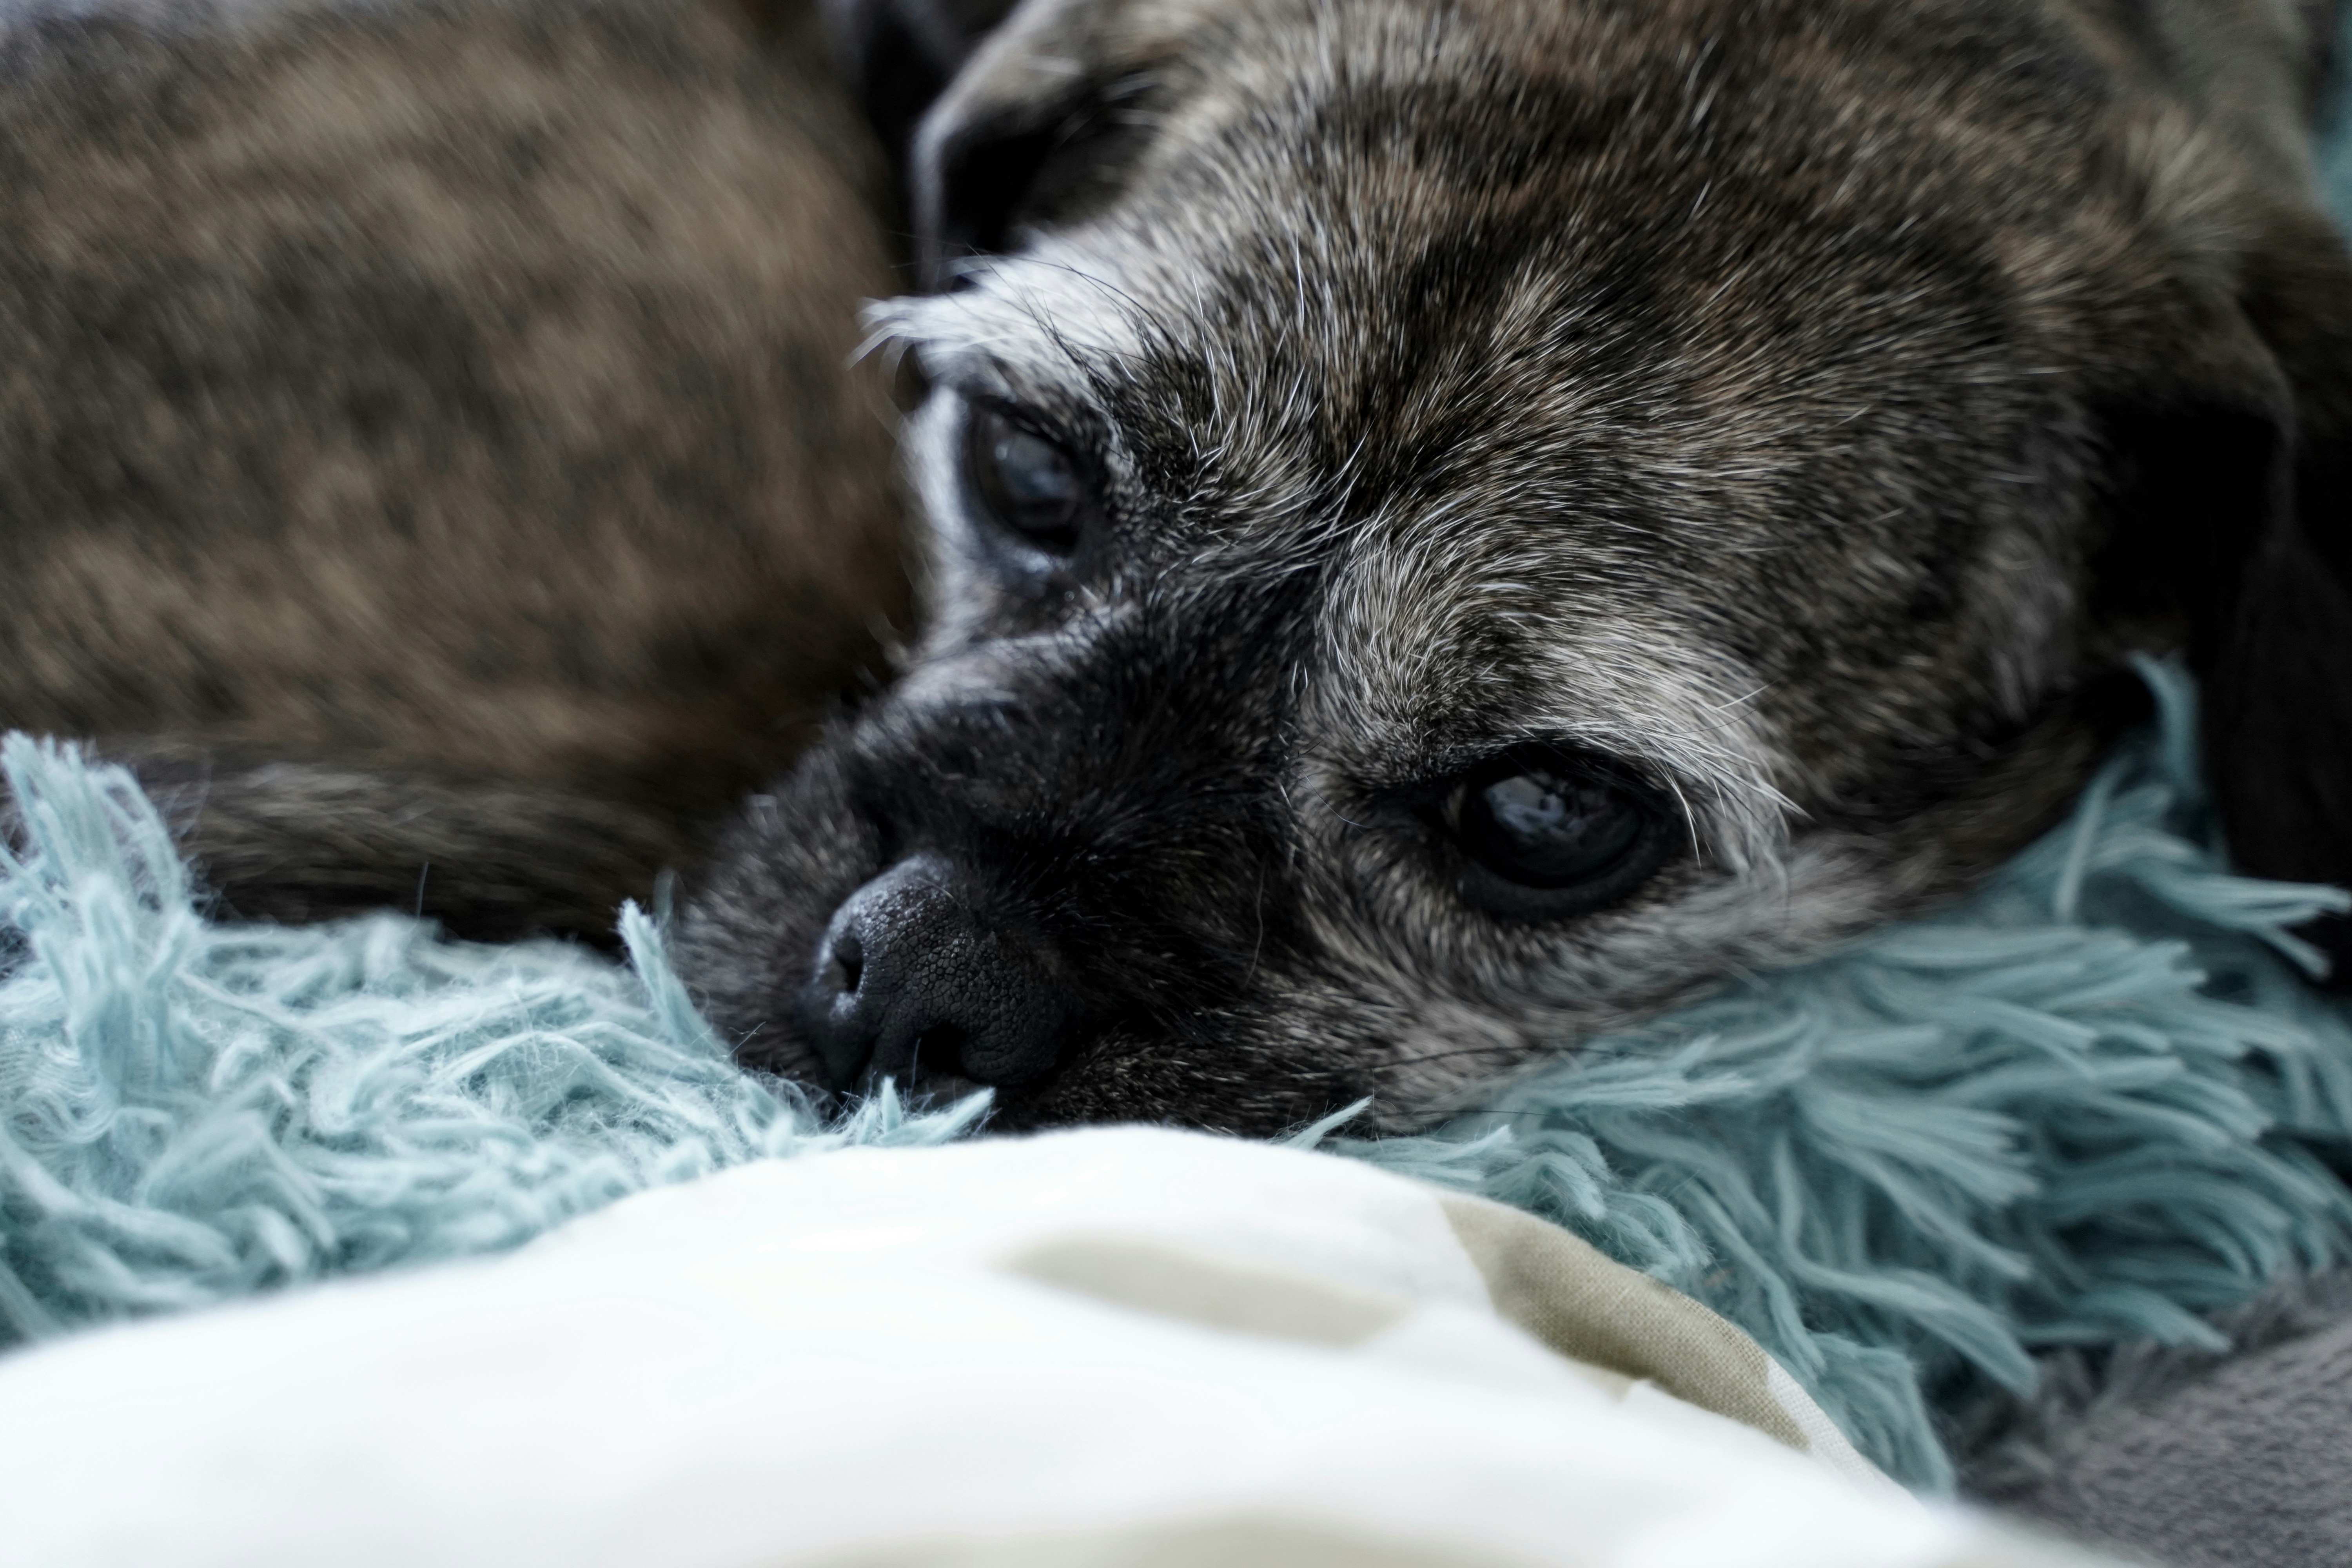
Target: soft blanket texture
1111,1348
2088,1105
2235,1465
195,1112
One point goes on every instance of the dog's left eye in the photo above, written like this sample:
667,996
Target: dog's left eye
1027,483
1540,825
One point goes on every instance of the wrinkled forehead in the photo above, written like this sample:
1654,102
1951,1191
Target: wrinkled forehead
1479,559
1462,630
1428,234
1544,333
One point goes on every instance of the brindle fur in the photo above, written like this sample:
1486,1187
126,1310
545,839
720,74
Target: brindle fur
435,454
1808,404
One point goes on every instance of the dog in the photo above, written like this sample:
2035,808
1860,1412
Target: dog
437,456
1454,524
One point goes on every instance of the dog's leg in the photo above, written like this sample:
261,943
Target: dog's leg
296,839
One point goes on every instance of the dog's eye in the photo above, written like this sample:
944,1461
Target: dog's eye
1027,483
1539,819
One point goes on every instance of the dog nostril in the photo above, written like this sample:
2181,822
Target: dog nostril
848,964
914,982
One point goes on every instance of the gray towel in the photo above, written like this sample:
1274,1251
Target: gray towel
2246,1463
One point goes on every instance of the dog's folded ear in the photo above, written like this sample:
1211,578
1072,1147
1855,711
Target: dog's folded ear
2278,710
2278,703
1002,113
898,56
2232,509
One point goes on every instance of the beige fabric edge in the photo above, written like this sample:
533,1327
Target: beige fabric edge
1589,1308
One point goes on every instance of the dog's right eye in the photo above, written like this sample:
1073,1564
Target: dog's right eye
1027,483
1542,833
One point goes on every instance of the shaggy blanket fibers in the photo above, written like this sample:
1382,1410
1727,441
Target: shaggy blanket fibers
197,1111
2086,1106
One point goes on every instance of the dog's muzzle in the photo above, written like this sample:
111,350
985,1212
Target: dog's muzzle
914,982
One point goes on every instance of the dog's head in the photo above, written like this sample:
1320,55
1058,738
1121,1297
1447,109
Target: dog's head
1456,524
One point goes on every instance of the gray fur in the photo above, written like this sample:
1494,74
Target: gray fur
1729,390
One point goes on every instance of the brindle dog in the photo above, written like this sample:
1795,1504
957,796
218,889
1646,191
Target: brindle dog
433,453
1457,522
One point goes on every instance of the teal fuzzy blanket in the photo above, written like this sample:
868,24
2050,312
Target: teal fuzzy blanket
2090,1105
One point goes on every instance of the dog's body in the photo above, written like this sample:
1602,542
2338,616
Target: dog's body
1457,524
435,453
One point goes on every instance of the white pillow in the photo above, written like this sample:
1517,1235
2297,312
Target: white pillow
1118,1346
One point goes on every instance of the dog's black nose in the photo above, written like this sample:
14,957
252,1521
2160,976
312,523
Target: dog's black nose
911,980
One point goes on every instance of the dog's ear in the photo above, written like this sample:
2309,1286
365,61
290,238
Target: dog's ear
2278,709
2232,507
1046,113
898,56
998,112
